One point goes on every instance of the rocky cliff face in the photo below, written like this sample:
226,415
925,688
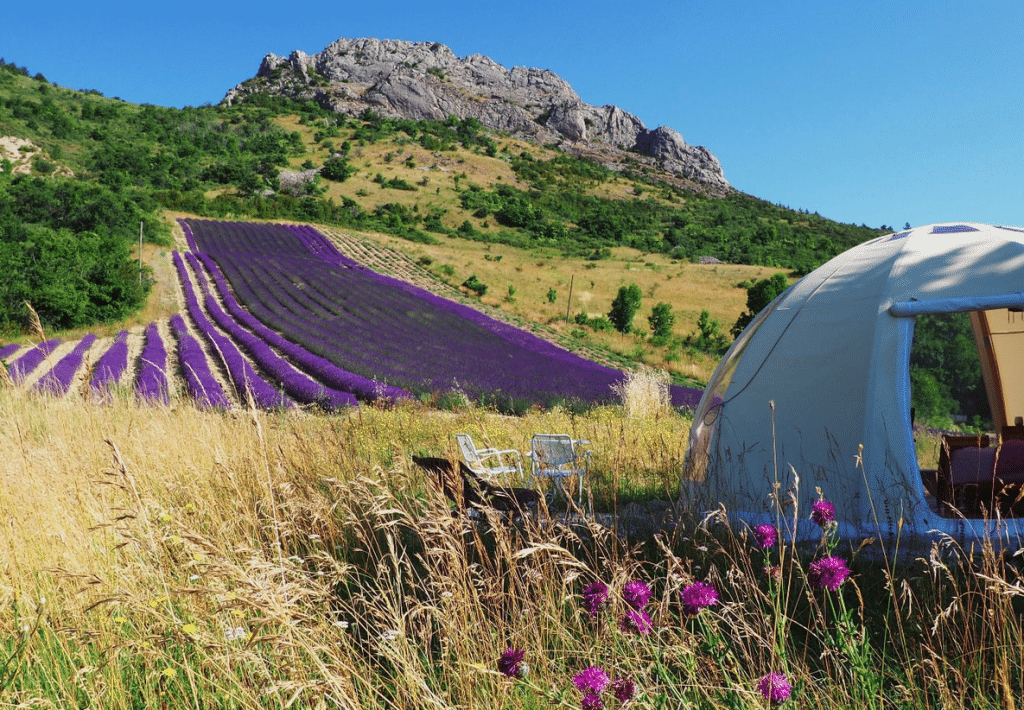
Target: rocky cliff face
421,80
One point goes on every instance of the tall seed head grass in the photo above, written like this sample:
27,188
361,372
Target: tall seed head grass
203,559
644,393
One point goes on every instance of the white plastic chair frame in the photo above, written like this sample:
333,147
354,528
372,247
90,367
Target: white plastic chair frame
508,460
555,456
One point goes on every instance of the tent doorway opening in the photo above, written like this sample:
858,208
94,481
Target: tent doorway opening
967,391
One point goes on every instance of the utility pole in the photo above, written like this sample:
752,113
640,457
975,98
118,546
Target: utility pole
140,255
568,304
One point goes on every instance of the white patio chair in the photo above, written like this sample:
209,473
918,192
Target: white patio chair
504,461
555,456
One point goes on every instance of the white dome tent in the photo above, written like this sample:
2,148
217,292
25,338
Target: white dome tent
824,370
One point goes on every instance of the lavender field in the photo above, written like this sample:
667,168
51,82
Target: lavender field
273,316
398,338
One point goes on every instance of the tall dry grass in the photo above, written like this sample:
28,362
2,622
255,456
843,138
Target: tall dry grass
177,558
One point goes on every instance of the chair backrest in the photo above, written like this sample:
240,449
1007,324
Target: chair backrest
468,448
553,450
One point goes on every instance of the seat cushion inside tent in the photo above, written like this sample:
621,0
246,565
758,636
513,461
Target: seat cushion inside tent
977,465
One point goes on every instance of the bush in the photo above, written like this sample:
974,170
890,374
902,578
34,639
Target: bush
600,324
474,284
709,338
337,169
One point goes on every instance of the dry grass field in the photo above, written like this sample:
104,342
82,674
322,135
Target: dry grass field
170,557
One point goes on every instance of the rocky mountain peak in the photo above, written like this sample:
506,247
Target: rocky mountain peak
425,80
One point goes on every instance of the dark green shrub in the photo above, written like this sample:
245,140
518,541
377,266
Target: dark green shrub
337,169
474,284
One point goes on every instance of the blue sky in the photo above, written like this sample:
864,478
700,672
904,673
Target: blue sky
866,112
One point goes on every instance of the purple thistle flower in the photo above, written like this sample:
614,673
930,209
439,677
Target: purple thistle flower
624,689
823,513
775,688
766,536
592,701
828,573
511,663
697,596
592,679
595,597
636,594
635,621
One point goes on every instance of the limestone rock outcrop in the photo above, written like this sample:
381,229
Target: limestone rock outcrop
424,80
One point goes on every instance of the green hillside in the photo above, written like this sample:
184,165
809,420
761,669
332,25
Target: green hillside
83,177
93,168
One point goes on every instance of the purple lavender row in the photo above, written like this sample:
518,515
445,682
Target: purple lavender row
295,382
111,364
323,247
58,380
249,385
188,234
258,343
24,365
8,350
151,383
202,387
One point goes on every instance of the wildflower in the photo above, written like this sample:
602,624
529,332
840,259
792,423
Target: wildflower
775,688
592,701
591,679
511,663
823,513
697,596
635,621
828,573
766,536
595,597
235,633
773,572
624,689
636,594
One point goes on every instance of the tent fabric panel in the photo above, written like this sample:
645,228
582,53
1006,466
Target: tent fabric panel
1006,345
